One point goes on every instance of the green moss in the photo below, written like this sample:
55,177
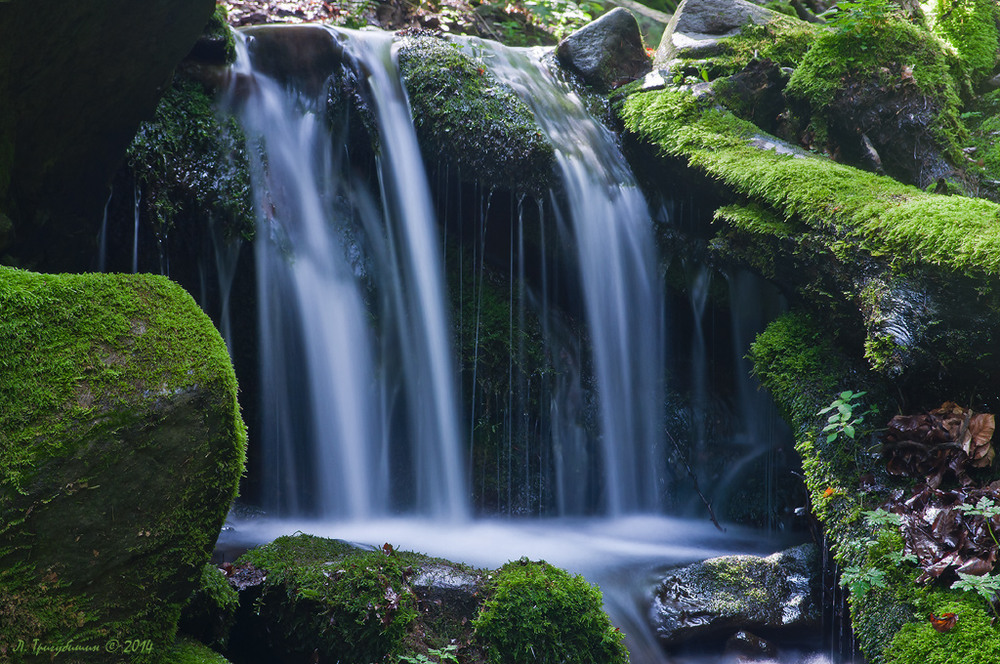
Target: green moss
210,611
539,613
326,595
784,41
115,392
883,216
973,640
463,114
971,26
190,165
218,29
188,651
754,219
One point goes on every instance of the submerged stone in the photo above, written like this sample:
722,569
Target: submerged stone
606,53
121,449
733,593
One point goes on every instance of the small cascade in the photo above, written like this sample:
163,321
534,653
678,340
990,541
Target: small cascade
601,212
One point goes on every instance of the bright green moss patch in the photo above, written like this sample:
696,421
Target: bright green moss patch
189,651
785,41
888,218
539,613
973,640
465,115
971,26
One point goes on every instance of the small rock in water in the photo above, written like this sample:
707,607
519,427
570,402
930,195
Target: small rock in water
749,645
737,593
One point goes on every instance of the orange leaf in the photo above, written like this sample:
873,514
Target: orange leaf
945,622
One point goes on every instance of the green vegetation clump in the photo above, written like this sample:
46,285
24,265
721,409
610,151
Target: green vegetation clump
785,41
873,46
538,613
218,29
191,165
350,604
116,391
971,26
210,611
464,115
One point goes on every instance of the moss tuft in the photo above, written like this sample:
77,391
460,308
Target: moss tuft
210,611
539,613
188,651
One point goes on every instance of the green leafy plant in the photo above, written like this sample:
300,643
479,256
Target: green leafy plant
881,517
987,509
843,420
446,654
860,580
986,586
860,15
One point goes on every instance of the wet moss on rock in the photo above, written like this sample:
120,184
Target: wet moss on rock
189,651
468,118
210,611
121,448
190,165
346,603
971,27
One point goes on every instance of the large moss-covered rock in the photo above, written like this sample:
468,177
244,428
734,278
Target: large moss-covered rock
121,449
76,79
473,122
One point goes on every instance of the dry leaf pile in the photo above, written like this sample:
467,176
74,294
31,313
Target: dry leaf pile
945,538
940,445
942,527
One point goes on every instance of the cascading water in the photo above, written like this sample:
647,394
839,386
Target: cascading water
601,212
313,218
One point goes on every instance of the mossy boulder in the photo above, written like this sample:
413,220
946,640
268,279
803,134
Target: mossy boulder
76,80
121,448
325,598
698,27
718,597
881,91
189,651
471,121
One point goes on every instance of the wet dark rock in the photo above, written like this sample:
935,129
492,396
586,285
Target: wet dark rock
755,93
447,590
607,52
76,80
698,26
300,56
720,595
749,645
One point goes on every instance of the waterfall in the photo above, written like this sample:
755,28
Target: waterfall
359,412
602,213
333,364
